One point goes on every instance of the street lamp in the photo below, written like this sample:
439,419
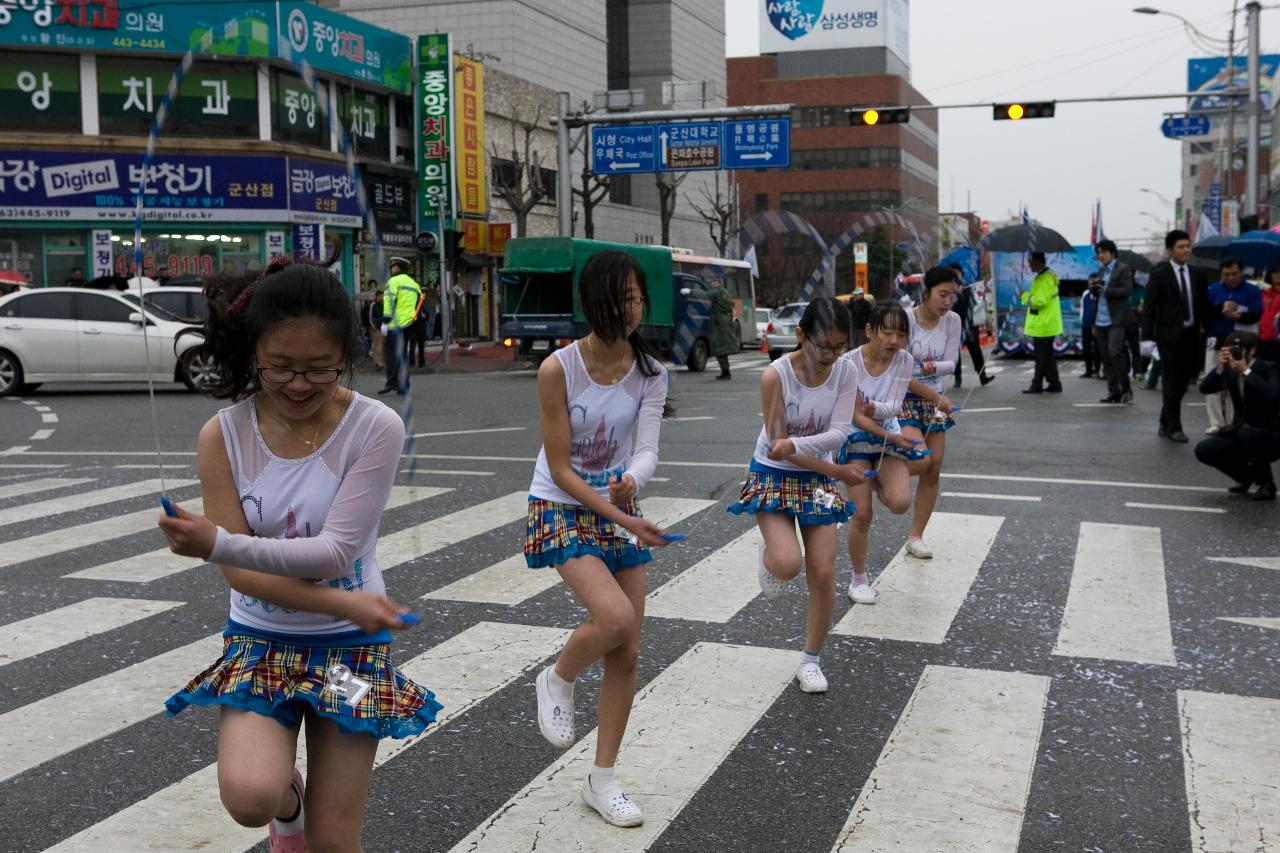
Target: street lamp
1157,195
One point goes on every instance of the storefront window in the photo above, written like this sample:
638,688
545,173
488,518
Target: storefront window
186,254
364,115
298,117
243,254
63,252
40,91
216,99
20,251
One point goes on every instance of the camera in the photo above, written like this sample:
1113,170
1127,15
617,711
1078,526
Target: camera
1237,352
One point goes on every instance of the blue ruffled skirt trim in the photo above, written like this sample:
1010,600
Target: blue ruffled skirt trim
558,532
792,493
865,447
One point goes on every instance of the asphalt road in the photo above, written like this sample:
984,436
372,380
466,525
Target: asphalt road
1089,663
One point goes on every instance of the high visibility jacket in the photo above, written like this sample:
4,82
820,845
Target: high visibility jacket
400,304
1044,309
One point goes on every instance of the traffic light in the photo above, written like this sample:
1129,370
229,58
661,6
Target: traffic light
873,117
452,244
1016,111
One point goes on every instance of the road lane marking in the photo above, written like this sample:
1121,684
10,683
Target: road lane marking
40,435
463,671
919,599
1256,562
663,764
968,411
1209,509
421,539
1118,604
1271,623
467,431
85,500
956,769
161,563
992,496
443,471
1231,756
715,588
42,484
38,634
511,581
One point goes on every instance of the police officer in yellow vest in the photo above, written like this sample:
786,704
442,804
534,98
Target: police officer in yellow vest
1044,323
399,309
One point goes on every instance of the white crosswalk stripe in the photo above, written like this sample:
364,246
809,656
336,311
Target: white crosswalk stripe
42,484
38,634
85,500
715,588
21,551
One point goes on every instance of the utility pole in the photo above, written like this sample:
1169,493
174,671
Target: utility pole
446,330
1253,11
564,178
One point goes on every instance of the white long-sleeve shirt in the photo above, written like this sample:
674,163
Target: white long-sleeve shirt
818,419
941,345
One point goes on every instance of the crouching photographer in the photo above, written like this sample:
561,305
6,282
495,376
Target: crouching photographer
1245,450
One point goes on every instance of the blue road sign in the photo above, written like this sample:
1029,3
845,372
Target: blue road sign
620,149
761,143
1176,127
689,146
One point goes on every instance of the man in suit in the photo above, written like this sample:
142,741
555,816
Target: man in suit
1173,318
1245,450
1114,313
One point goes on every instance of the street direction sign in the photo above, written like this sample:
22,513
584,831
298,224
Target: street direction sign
689,146
618,149
761,143
1177,127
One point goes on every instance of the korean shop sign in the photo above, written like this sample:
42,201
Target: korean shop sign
334,42
322,192
297,113
216,98
168,26
473,193
365,116
435,88
40,91
97,186
391,200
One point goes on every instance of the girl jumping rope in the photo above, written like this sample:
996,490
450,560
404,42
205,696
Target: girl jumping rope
598,396
807,398
295,476
935,346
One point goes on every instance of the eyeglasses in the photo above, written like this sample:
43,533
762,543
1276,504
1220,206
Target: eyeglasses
827,349
317,376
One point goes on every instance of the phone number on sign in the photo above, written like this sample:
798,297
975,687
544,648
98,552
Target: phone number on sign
33,213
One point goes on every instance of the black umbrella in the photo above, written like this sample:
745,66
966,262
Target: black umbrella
1025,238
1211,248
1136,262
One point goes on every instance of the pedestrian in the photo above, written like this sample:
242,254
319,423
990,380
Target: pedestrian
964,307
1173,318
431,307
295,475
884,366
399,308
1114,314
598,397
807,398
1245,450
1268,343
376,321
1234,305
859,314
76,279
935,347
415,337
1088,317
724,336
1043,325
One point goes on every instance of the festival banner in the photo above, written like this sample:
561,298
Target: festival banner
435,90
473,192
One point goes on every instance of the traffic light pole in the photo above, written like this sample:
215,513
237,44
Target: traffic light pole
1251,156
446,328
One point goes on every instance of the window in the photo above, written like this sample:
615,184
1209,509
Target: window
504,173
846,158
297,117
837,201
217,98
762,202
820,116
41,306
92,308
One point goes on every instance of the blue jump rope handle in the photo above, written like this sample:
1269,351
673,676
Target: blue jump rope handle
871,473
674,537
168,506
410,619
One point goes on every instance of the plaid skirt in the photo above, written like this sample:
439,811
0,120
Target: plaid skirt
863,446
769,489
556,533
924,416
281,680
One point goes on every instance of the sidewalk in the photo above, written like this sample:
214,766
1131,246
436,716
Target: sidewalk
477,356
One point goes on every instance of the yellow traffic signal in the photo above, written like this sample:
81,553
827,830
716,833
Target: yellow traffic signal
1016,111
873,117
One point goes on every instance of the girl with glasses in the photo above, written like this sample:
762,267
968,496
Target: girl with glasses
295,475
808,399
935,346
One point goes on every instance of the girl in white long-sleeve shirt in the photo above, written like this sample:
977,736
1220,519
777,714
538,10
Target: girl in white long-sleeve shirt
295,477
808,398
602,400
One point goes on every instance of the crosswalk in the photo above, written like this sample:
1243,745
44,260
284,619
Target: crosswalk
953,767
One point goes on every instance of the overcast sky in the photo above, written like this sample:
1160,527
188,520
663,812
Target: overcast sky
983,50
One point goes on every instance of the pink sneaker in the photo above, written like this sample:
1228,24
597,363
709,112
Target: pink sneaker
297,842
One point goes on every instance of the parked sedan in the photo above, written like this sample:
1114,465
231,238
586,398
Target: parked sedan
763,316
781,331
180,304
68,334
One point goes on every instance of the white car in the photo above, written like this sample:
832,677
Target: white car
781,332
763,316
181,304
69,334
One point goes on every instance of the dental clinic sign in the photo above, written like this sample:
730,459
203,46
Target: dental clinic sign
791,25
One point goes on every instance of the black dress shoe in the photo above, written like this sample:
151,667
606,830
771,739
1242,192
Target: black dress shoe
1162,432
386,389
1178,436
1110,398
1054,389
985,378
724,376
1265,492
1033,390
1126,397
1240,488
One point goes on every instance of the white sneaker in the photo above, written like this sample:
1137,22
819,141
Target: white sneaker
555,720
771,585
862,593
917,549
612,804
811,679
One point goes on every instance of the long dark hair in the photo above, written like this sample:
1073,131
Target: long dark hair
602,292
242,311
823,314
889,315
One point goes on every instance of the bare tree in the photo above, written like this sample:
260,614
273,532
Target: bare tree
668,183
719,212
595,189
520,183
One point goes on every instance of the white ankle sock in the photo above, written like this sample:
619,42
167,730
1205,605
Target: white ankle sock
861,579
291,827
602,778
805,657
561,690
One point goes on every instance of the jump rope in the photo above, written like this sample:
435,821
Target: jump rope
231,31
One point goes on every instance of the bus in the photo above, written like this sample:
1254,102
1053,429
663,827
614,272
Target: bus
723,272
